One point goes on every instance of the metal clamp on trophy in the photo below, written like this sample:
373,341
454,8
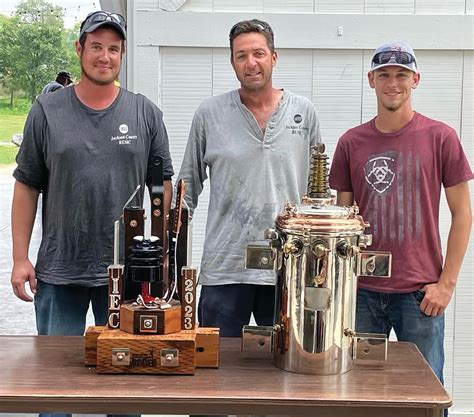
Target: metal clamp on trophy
152,309
315,249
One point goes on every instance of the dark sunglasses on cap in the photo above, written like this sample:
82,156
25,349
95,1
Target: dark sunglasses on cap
398,57
100,16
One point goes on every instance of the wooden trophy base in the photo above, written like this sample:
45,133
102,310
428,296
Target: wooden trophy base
207,346
118,352
141,320
124,353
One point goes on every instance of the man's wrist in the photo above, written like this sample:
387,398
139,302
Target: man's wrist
448,283
20,259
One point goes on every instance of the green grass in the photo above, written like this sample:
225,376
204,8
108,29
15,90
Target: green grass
12,119
9,125
21,106
8,154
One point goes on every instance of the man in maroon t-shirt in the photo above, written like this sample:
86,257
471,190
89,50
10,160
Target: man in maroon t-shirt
393,167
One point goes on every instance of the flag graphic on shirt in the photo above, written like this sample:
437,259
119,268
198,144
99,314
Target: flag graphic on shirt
393,197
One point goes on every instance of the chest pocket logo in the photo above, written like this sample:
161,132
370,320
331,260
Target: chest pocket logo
296,127
380,173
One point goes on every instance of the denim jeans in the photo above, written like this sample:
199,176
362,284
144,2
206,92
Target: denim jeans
61,310
379,312
230,306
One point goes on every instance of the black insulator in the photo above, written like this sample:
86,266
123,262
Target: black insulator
145,261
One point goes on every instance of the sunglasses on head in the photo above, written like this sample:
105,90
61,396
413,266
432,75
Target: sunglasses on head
396,57
101,16
256,24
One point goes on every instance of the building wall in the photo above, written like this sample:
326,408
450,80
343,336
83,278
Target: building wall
179,58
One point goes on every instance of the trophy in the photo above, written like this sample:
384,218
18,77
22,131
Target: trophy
152,304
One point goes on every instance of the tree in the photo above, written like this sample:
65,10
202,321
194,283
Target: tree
8,29
39,49
73,65
34,47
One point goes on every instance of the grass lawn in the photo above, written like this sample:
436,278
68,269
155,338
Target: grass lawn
10,124
8,154
12,119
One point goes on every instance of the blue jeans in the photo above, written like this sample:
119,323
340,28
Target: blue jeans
61,310
380,312
230,306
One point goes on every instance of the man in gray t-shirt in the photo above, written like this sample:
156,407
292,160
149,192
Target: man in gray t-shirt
255,145
85,149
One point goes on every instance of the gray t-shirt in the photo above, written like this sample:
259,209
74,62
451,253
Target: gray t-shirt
87,163
252,175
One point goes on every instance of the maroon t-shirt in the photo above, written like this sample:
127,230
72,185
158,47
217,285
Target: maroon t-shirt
396,179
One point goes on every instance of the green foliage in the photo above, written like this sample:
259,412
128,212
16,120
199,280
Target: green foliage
39,50
40,12
21,106
73,64
7,64
35,46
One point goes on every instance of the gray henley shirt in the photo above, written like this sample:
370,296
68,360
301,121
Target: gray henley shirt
252,175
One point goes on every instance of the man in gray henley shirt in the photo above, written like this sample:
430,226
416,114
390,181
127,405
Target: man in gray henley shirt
255,145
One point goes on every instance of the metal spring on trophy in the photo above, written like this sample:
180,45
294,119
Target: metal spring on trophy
318,176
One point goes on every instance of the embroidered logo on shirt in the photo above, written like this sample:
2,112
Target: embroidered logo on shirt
123,128
296,127
380,173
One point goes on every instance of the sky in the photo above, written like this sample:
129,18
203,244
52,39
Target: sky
75,11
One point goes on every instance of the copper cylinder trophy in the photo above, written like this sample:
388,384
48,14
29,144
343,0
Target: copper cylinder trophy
315,249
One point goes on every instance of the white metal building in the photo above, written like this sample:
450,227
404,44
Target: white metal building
178,54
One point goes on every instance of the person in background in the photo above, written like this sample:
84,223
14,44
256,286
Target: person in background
254,143
63,79
394,167
86,169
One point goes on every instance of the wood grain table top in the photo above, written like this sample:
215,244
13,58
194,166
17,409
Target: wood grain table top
46,373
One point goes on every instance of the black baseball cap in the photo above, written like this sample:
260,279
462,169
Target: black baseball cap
95,20
64,73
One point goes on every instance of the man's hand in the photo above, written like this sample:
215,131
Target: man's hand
436,299
23,272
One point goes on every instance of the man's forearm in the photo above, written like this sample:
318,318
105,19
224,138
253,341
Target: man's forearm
459,203
25,200
458,240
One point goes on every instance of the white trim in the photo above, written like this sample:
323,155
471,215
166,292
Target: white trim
132,29
204,29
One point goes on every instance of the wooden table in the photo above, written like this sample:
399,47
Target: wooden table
46,374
